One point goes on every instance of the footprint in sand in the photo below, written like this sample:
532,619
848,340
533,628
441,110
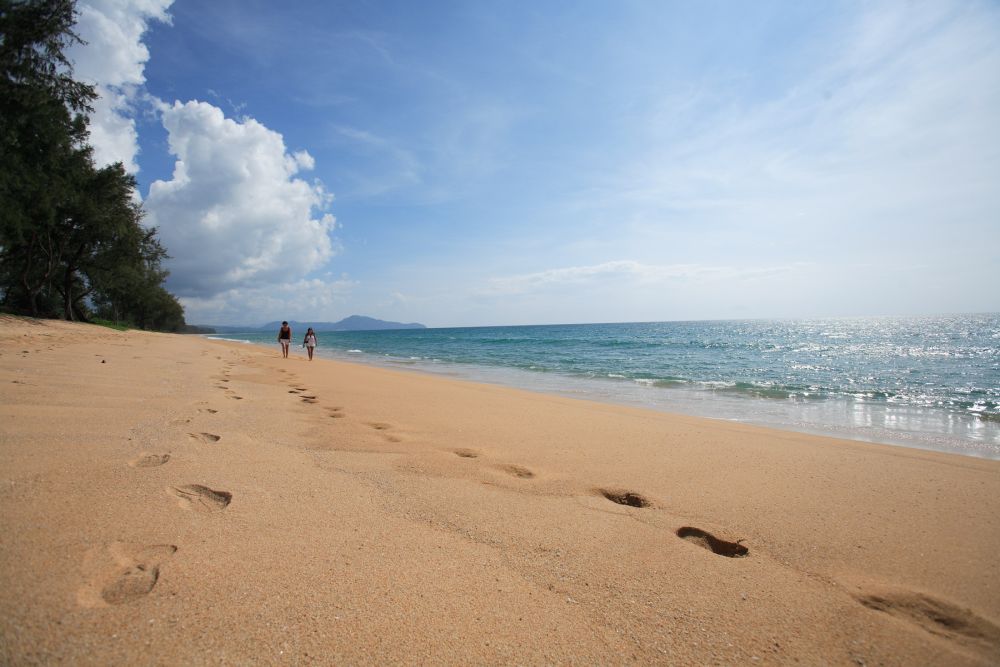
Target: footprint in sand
207,410
707,540
147,460
336,413
516,471
466,453
294,391
205,437
135,572
936,617
382,427
622,497
132,582
201,498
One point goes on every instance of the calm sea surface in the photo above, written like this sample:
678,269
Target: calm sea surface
926,382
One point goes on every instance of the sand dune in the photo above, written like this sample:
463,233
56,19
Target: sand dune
172,500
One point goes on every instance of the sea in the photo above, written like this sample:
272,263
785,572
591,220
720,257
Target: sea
922,382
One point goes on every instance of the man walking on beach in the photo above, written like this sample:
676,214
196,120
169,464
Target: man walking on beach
285,338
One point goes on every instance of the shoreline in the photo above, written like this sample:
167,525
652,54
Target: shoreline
176,500
927,429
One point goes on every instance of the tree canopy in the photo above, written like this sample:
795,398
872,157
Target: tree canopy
72,242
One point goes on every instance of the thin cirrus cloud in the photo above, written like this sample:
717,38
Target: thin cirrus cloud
898,123
396,166
626,270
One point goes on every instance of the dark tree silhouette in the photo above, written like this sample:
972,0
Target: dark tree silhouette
71,237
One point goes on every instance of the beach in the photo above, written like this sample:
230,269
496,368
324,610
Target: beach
169,499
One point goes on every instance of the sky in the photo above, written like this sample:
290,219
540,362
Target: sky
490,163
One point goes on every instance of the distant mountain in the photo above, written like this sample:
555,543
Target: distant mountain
193,329
352,323
226,329
362,323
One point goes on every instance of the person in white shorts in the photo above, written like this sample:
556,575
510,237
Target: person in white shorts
309,342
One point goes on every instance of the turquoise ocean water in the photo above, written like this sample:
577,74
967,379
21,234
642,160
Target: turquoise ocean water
925,382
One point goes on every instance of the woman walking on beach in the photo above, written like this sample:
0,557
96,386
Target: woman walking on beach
285,338
309,342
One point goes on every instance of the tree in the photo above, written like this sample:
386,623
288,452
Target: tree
126,280
42,141
99,233
71,235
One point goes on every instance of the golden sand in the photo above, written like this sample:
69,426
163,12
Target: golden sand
172,500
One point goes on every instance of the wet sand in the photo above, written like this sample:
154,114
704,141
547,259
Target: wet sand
174,500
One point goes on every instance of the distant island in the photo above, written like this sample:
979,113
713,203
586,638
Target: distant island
352,323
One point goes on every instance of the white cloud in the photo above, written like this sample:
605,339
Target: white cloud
304,161
629,270
114,60
234,214
308,299
894,130
392,166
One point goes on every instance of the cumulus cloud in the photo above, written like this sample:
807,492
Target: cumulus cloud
305,299
234,214
637,272
114,59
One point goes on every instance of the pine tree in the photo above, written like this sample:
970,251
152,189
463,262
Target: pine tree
71,235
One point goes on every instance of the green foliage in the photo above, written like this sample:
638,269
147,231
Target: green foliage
71,235
109,324
36,34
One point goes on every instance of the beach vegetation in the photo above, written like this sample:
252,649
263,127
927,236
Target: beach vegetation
109,324
72,242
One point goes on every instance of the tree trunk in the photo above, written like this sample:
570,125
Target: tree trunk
33,290
68,295
72,267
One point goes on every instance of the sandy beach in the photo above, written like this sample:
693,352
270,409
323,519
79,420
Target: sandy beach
168,499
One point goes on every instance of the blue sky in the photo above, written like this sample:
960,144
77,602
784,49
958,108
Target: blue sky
474,163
